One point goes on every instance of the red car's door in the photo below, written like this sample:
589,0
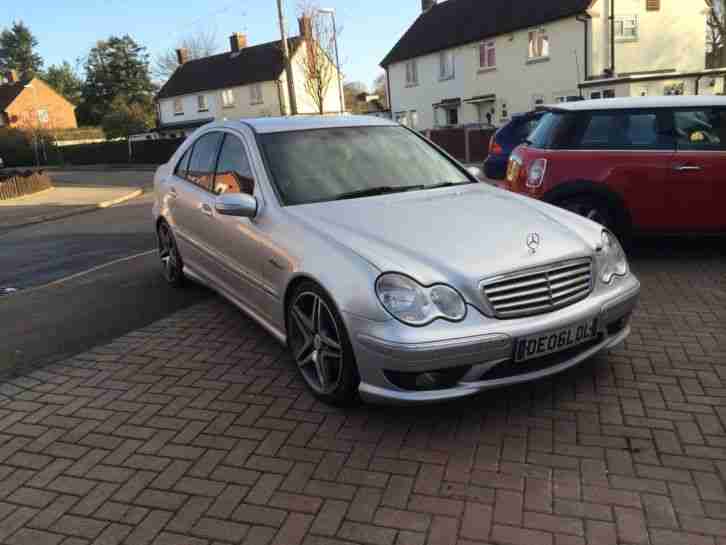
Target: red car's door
697,187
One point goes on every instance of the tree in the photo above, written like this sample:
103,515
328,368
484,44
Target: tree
63,79
318,68
350,92
16,51
199,45
125,117
716,23
380,88
117,67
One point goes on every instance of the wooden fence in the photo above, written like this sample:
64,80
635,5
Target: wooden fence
16,184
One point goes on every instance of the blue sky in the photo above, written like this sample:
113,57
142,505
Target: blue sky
67,29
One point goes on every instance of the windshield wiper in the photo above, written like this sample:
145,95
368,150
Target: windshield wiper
380,190
447,184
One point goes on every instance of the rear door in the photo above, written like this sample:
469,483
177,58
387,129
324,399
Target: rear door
194,204
697,189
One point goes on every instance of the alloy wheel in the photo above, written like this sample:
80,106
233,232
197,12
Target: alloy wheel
316,342
168,254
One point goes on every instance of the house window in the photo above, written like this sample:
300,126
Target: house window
178,106
652,5
411,73
202,105
43,117
626,27
228,98
608,93
487,55
539,45
674,89
446,65
538,100
256,94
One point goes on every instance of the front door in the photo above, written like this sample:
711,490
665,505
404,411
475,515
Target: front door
697,189
243,244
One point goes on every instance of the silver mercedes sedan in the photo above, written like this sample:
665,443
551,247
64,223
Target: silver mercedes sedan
390,272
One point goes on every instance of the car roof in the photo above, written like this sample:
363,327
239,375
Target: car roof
305,122
640,102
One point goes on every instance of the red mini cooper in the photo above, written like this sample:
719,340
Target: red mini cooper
633,164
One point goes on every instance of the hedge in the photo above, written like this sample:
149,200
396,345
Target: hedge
16,184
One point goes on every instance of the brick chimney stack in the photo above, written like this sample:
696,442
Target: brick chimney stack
306,26
182,55
237,42
427,4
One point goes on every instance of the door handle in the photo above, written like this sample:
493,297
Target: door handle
172,192
206,209
687,168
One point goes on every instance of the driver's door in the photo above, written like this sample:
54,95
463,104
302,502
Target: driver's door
242,243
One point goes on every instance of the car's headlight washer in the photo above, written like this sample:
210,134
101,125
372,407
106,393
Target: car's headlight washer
417,305
614,262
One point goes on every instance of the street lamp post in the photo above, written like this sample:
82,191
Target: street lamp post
331,12
35,131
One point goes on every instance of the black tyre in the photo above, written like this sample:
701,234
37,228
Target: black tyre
320,346
172,266
599,210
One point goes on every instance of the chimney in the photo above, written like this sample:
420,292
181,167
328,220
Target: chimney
427,4
182,55
237,42
306,26
12,76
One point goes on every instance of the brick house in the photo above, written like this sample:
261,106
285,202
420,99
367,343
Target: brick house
34,104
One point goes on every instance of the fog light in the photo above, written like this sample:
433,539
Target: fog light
428,381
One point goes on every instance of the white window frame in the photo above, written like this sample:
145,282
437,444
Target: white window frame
256,94
178,106
444,111
538,100
411,73
484,48
202,103
447,65
43,117
538,45
228,98
626,22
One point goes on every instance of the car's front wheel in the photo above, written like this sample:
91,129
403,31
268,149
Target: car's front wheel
320,346
171,263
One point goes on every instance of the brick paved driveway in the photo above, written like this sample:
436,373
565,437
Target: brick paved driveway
195,430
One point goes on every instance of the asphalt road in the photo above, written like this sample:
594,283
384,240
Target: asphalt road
82,280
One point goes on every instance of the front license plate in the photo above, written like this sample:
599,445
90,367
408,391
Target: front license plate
537,346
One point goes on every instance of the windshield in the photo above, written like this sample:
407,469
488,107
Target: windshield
347,162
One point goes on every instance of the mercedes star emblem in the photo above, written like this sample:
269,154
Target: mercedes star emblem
533,241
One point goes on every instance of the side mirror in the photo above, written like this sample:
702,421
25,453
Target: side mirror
476,172
240,205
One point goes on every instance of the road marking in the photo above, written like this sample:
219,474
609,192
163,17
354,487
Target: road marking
82,273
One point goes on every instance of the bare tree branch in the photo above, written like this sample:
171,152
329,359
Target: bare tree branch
318,66
201,44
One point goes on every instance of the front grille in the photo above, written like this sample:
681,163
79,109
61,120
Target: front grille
539,290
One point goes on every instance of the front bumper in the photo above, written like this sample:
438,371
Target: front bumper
480,347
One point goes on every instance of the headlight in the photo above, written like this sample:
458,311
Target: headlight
415,304
614,262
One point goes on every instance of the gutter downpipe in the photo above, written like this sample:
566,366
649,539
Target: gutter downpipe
585,19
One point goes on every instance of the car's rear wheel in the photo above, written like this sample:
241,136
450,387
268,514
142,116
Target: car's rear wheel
172,266
320,346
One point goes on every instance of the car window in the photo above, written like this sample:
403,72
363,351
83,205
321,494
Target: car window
233,174
701,129
622,130
203,160
327,164
554,130
183,164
